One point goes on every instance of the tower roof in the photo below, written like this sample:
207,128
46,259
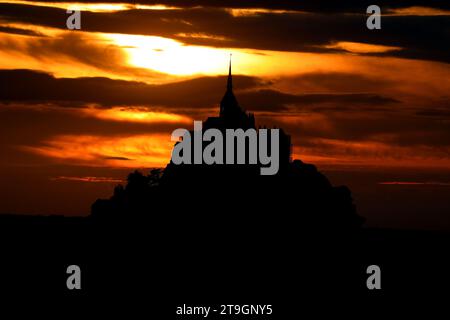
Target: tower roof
231,115
229,106
230,78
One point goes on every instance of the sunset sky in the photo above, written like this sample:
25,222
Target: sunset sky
79,109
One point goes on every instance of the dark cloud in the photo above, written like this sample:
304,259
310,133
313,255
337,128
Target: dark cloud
30,124
394,127
205,92
271,100
79,48
419,37
327,6
435,113
339,82
31,86
118,158
19,31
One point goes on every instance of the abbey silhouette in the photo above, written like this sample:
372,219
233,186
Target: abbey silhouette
232,138
229,195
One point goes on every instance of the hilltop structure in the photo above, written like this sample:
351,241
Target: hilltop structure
192,199
232,116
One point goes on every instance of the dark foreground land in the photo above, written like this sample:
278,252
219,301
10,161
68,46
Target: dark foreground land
166,262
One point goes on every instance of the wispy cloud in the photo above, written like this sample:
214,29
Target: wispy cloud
88,179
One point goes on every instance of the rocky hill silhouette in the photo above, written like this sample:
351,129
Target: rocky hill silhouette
301,192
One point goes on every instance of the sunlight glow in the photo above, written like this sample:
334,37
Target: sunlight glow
92,7
170,56
256,11
176,58
152,150
135,114
358,47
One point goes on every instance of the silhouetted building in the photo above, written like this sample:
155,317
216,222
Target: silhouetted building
222,198
232,116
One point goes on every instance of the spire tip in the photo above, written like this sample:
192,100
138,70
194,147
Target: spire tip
230,77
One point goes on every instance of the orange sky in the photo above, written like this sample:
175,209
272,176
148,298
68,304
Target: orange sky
163,60
348,97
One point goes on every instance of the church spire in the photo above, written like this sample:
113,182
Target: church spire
231,114
230,78
229,106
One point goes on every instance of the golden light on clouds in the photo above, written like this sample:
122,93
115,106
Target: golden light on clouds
419,11
158,60
358,47
55,52
255,11
135,114
88,179
176,58
92,7
81,109
170,56
161,60
150,150
153,150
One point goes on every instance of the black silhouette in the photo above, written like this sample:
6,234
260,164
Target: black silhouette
221,234
298,196
228,232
